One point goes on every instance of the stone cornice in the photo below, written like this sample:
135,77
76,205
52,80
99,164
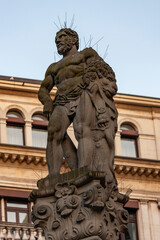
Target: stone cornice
137,100
137,166
21,86
29,155
34,156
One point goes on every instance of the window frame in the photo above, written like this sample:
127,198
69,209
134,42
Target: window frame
130,134
16,122
38,124
16,209
131,220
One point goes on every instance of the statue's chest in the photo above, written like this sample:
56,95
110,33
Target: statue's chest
69,68
67,61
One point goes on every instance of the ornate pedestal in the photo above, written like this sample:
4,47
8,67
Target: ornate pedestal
77,205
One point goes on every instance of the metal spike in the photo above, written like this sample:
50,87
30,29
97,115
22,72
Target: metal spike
65,22
59,22
56,26
98,41
90,41
106,53
86,44
84,41
97,47
72,22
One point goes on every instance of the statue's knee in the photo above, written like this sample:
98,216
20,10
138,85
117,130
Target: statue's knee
50,134
54,134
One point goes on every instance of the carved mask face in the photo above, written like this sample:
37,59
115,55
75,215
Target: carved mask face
64,42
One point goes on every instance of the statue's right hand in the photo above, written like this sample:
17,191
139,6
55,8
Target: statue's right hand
48,109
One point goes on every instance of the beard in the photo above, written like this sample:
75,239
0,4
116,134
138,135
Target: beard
64,47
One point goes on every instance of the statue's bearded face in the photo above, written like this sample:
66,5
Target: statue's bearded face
64,42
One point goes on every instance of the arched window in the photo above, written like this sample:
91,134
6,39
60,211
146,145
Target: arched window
15,128
39,131
129,140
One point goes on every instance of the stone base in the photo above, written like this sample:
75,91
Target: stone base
80,208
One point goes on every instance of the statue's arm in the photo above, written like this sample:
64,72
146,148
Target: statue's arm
43,93
90,55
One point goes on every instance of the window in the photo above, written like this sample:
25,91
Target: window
17,211
15,128
39,131
129,140
131,233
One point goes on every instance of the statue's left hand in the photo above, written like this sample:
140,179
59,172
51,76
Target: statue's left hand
48,109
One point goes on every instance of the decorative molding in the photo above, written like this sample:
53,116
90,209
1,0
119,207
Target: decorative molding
141,167
147,171
137,100
20,158
81,208
30,155
20,154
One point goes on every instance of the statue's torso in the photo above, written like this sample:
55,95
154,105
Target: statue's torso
68,68
68,77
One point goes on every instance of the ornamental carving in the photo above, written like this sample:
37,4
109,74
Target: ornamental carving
89,211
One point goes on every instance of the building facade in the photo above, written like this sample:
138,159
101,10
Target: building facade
23,136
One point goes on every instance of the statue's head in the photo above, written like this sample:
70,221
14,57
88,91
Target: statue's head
65,39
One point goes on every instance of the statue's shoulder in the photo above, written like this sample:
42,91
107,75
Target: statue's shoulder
90,55
89,52
51,69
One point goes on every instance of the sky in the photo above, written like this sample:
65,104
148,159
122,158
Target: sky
130,31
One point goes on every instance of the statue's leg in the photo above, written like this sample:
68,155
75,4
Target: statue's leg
82,124
57,127
70,152
110,136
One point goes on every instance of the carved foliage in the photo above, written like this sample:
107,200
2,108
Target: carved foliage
73,215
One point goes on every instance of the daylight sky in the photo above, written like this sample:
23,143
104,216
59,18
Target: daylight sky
130,30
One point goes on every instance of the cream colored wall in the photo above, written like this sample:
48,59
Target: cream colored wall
148,219
21,175
26,104
146,123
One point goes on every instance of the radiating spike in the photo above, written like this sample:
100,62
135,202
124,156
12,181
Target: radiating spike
84,41
98,41
72,22
59,22
56,25
105,54
90,41
65,22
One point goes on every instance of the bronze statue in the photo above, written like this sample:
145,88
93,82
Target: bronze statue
85,89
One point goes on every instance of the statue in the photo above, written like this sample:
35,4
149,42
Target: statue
84,203
85,89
